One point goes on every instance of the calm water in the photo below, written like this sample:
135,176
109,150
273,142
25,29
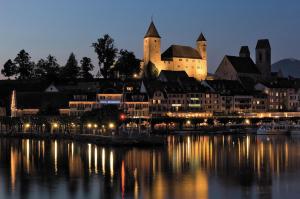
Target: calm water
190,167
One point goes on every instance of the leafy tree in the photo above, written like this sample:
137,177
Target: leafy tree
106,51
127,64
150,71
9,69
71,70
24,65
47,69
86,67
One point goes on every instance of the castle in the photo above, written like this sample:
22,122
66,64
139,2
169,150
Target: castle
177,57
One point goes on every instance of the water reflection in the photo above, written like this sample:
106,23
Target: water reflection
190,167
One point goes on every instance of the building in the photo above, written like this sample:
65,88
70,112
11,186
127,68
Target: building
242,66
83,102
176,57
283,94
33,103
136,105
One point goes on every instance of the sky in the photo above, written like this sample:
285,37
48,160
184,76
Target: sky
59,27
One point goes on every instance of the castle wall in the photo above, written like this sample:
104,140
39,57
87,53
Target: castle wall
193,67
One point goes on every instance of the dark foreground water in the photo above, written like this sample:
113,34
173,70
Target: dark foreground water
190,167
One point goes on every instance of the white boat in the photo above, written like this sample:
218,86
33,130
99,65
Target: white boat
273,129
279,128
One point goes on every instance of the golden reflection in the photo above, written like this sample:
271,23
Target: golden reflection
123,179
96,160
13,166
111,164
27,156
55,157
103,161
90,157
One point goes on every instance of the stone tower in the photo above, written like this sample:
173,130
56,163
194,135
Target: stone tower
245,52
201,46
263,57
152,52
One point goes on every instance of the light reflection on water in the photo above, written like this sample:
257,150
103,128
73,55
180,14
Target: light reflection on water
190,167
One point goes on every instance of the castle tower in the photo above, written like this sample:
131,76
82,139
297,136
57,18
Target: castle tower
152,52
201,46
245,52
263,57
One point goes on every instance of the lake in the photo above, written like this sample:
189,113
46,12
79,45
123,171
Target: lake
189,167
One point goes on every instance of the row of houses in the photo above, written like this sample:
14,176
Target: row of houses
172,94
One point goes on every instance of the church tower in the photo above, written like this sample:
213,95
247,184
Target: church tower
201,46
152,42
263,57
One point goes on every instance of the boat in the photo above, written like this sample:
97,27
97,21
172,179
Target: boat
273,129
281,128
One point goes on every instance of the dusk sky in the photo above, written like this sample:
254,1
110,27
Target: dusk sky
60,27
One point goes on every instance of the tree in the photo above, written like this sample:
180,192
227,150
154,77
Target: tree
86,67
47,69
150,71
127,64
71,70
9,69
106,51
24,66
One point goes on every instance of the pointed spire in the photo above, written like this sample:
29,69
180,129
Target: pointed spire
201,37
152,31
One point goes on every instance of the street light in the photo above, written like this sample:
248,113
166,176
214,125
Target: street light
111,125
27,125
55,125
89,125
95,126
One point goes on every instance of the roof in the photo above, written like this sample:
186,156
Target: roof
243,64
227,86
263,44
180,52
36,100
281,83
152,31
172,76
201,37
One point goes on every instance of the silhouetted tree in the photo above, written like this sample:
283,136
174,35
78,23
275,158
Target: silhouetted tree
24,65
47,69
150,71
71,70
9,69
127,64
86,67
106,51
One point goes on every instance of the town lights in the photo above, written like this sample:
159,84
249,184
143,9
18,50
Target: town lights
55,125
111,125
247,121
27,125
95,126
89,125
135,75
122,117
188,122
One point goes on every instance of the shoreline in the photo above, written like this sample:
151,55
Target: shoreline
110,141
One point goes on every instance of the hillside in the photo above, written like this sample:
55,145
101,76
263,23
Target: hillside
289,67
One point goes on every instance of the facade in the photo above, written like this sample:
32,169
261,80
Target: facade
136,105
83,102
176,57
283,94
